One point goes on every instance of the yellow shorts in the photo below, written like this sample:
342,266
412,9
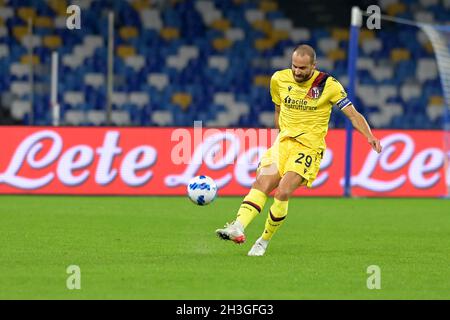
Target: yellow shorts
291,155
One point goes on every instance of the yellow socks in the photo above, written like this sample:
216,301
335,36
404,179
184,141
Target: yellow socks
252,205
277,214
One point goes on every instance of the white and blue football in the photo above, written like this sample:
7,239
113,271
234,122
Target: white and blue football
202,190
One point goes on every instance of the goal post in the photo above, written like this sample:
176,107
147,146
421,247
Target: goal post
440,40
438,36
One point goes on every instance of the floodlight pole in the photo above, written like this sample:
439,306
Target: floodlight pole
110,76
31,69
352,57
54,91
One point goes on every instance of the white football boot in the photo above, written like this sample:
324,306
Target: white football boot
259,248
232,231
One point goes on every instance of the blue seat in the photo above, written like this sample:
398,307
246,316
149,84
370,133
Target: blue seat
198,79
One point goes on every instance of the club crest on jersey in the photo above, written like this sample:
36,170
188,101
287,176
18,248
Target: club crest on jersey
314,93
318,85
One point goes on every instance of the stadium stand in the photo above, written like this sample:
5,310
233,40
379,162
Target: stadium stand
184,60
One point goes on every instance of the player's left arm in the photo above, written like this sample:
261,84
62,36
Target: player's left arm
360,124
338,97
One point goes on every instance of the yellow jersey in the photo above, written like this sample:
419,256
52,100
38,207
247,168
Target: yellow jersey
305,107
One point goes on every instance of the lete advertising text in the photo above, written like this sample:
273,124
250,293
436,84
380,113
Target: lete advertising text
160,161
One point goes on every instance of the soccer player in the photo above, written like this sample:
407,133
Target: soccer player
303,98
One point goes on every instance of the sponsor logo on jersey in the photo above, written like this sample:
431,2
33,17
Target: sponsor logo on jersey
299,104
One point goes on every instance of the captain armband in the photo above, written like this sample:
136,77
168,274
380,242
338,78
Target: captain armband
343,103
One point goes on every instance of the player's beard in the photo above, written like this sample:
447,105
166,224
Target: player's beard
303,78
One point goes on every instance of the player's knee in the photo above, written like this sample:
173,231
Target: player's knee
283,194
264,185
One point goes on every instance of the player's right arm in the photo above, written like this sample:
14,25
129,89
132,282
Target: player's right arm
277,116
275,93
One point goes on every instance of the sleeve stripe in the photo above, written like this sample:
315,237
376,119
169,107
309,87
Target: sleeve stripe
349,103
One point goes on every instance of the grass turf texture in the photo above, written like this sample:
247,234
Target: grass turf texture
165,248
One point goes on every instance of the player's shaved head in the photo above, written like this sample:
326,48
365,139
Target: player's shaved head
303,62
304,49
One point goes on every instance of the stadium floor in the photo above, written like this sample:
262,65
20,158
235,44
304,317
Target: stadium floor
165,248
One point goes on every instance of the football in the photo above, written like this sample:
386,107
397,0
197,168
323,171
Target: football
201,190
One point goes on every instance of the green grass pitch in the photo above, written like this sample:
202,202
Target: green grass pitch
166,248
